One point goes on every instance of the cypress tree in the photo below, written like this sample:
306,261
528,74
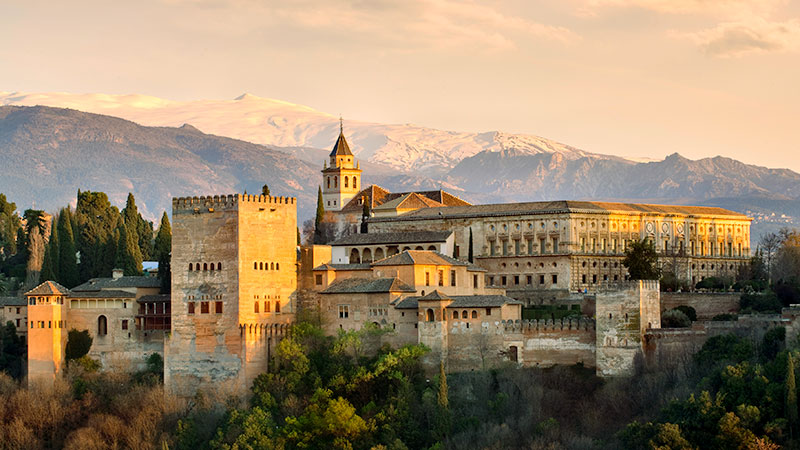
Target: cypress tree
444,403
67,260
129,259
265,190
50,261
319,237
469,253
162,251
791,395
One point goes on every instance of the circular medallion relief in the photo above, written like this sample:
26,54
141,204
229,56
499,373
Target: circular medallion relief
649,227
665,227
680,228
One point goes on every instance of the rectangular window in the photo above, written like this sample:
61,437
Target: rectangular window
555,245
583,245
218,307
604,245
344,311
503,281
427,278
542,246
594,245
691,247
491,281
191,307
516,247
452,278
529,244
203,307
17,323
583,278
124,324
614,244
541,279
318,279
516,280
278,307
555,279
492,248
740,245
266,306
488,311
530,280
474,281
594,279
441,277
505,247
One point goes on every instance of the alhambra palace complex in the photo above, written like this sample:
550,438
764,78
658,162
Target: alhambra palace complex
238,279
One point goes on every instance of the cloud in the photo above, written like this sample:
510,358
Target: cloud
757,35
723,8
417,24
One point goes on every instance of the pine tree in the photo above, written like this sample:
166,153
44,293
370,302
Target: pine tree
791,395
67,259
162,251
265,190
319,237
469,253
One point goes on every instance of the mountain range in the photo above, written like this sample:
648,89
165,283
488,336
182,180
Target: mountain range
48,153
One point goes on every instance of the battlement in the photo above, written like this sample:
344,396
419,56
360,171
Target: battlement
227,201
565,324
648,285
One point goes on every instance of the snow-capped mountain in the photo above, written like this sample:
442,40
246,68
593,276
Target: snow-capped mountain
273,122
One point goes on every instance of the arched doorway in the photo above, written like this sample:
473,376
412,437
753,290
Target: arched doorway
378,254
354,256
366,255
429,316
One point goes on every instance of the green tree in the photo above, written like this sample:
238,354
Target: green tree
50,262
129,259
641,260
163,251
67,259
12,351
97,222
265,190
791,395
78,344
319,235
469,253
9,224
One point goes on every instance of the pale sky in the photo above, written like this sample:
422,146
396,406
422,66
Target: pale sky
628,77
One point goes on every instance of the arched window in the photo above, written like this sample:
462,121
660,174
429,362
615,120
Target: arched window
378,254
219,266
455,314
255,265
432,247
255,307
205,267
329,182
102,326
266,307
190,267
261,266
345,182
464,315
429,317
474,314
419,247
272,266
277,266
277,307
355,183
335,181
354,256
366,255
212,267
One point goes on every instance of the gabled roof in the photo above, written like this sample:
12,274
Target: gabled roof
411,200
48,288
424,257
96,284
12,301
374,195
329,266
341,148
377,196
461,301
402,237
434,296
560,206
367,285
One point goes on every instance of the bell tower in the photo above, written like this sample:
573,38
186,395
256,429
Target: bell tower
341,176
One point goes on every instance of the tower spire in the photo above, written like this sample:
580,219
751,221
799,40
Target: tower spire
341,124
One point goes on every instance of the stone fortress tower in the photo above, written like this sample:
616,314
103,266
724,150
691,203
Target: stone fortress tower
234,280
342,179
47,336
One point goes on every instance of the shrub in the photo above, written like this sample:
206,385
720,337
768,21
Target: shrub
760,302
724,317
675,319
689,311
78,344
727,347
713,283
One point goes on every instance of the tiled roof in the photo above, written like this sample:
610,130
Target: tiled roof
48,288
96,284
158,298
12,301
411,200
434,296
367,285
561,206
462,301
402,237
341,148
105,293
424,257
377,196
343,267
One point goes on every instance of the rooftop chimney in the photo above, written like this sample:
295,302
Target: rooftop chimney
116,273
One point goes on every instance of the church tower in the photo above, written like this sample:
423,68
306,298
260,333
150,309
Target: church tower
341,180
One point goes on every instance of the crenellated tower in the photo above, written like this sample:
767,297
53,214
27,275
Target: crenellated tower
233,289
341,175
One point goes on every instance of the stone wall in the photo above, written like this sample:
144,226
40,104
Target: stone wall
707,305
